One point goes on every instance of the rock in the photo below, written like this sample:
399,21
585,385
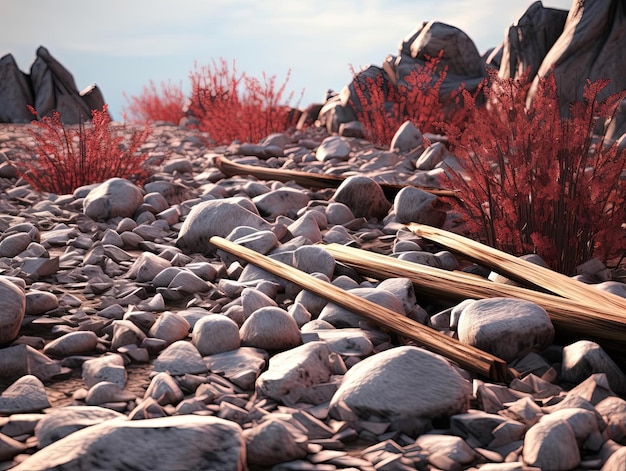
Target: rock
12,309
527,42
164,389
20,359
346,342
55,89
216,218
270,328
66,420
27,394
170,327
505,327
274,441
115,197
284,201
215,334
551,444
306,226
380,389
338,213
584,358
363,196
9,448
483,429
291,374
617,460
15,93
40,302
73,343
180,358
432,156
242,366
107,368
341,317
166,443
125,333
333,148
14,244
414,205
147,267
105,392
314,259
590,47
454,447
406,138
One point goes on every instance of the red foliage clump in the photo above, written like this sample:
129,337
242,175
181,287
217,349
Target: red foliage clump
382,107
534,181
67,157
235,106
153,105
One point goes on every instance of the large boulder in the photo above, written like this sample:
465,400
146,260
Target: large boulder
166,443
15,92
55,89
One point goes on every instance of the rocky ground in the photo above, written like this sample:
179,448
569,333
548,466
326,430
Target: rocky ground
144,347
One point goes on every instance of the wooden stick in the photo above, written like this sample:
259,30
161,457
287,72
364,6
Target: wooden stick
599,322
518,269
309,179
466,356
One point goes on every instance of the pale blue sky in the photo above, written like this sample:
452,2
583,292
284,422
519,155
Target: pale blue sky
123,44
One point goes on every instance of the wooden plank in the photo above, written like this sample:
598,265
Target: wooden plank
466,356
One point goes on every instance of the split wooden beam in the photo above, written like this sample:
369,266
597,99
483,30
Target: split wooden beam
466,356
309,179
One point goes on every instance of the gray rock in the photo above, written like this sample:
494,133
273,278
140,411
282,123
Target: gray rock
21,359
14,244
126,332
215,334
40,302
363,196
406,138
170,327
161,444
380,389
306,226
505,327
253,299
147,267
270,328
274,441
116,197
105,392
27,394
164,389
314,259
333,147
414,205
432,156
284,201
107,368
217,218
617,460
12,309
347,342
241,367
482,429
66,420
454,447
584,358
341,317
291,374
338,214
15,93
179,358
551,444
73,343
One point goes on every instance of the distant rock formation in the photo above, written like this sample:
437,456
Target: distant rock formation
49,87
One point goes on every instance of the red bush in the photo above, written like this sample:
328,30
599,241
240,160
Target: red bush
235,106
383,107
537,182
66,158
152,105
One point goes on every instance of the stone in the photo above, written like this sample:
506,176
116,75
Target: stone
314,259
414,205
215,334
66,420
381,389
73,343
551,444
270,328
306,226
105,392
216,218
15,92
116,197
14,244
406,138
164,389
170,327
292,373
333,148
147,266
10,447
432,156
154,444
584,358
107,368
274,441
40,302
342,317
338,214
617,460
242,366
12,309
363,196
179,358
505,327
126,332
454,447
482,429
27,394
283,201
21,359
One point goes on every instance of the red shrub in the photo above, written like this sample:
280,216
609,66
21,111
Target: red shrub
152,105
234,106
66,158
383,107
537,182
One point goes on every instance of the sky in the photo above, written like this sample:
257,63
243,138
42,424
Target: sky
121,45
